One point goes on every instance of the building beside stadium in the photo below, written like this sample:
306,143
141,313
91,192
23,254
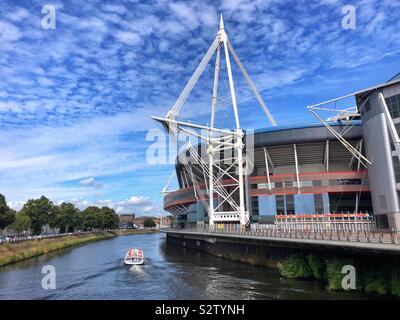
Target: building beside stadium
126,220
344,171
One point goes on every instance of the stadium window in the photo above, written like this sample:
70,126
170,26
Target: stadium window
397,126
396,165
318,203
290,204
280,204
382,221
393,104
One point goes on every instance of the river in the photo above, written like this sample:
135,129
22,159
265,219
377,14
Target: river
96,271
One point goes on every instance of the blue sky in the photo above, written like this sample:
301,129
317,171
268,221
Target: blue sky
75,102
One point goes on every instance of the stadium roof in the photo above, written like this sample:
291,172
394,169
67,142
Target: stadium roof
300,126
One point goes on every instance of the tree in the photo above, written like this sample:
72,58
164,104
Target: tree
109,218
41,212
22,222
67,217
91,218
149,223
7,215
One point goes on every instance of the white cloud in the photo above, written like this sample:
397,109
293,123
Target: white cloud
45,82
90,182
18,14
129,38
138,205
116,8
9,32
185,12
134,200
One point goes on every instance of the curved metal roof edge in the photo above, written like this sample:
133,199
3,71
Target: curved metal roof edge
300,126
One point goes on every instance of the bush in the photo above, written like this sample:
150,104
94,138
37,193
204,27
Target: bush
334,273
317,266
295,267
377,281
395,279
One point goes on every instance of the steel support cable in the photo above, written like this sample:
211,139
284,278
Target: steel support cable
230,195
168,182
222,190
182,98
344,131
227,101
219,188
197,156
176,131
193,80
359,194
226,171
349,147
346,144
251,84
198,189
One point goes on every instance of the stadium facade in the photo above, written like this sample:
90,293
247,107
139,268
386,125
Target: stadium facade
347,166
304,169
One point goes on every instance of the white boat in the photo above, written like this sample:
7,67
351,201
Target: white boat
134,257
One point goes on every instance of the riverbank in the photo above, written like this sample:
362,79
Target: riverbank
128,232
15,252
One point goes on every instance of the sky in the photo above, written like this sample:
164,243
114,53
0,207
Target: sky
76,101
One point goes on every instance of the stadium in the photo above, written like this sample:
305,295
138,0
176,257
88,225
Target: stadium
343,172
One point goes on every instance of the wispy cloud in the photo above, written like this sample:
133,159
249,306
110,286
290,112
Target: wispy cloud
90,182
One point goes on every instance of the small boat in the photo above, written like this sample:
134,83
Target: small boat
134,257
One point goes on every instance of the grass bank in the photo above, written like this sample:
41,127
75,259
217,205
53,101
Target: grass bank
373,274
14,252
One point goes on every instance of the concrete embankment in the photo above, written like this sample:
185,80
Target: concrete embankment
18,251
376,271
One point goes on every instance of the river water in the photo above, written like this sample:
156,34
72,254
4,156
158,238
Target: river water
96,271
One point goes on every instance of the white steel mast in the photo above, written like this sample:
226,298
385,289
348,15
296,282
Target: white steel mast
227,208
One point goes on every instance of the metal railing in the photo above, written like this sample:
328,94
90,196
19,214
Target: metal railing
273,231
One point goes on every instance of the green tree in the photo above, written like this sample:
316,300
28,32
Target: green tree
7,215
41,212
109,218
91,218
67,217
149,223
22,222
